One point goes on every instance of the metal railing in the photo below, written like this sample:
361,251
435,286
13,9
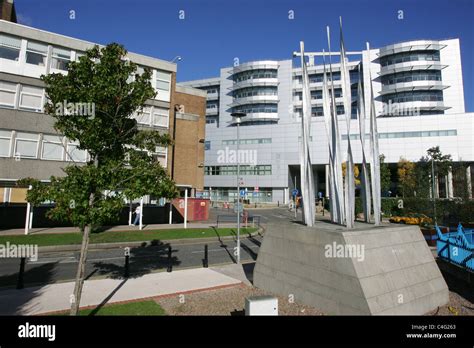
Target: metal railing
457,247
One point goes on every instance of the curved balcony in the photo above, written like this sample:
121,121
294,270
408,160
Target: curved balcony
261,116
262,64
416,105
257,99
260,82
410,66
417,45
412,86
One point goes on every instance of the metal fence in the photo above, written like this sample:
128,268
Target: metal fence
457,247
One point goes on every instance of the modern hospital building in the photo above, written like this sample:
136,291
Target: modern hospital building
419,101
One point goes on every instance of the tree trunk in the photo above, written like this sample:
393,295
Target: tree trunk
76,299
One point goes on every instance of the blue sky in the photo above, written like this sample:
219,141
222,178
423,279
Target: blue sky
214,32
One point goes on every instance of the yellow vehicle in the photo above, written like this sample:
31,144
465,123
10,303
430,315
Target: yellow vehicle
412,219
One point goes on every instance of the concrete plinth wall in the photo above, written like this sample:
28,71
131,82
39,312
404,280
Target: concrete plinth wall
397,274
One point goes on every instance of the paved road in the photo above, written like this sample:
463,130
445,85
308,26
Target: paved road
59,266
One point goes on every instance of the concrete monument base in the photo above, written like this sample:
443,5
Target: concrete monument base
367,270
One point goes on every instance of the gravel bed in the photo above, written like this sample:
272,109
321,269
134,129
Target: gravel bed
227,301
231,301
457,305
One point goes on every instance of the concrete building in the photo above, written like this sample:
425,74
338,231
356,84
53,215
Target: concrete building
30,147
419,99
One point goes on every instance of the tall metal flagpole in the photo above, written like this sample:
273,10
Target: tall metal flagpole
374,148
307,182
349,182
334,211
336,142
364,175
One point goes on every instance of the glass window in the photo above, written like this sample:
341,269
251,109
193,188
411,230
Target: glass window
36,53
144,116
74,154
60,58
5,143
26,145
31,98
10,47
7,94
52,148
160,117
163,80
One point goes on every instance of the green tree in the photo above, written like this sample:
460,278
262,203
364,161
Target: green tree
121,164
406,177
440,164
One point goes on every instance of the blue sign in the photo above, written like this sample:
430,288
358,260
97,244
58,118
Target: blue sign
255,194
320,194
295,192
242,193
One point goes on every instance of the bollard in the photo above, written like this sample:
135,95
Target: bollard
278,204
170,266
205,262
127,263
19,284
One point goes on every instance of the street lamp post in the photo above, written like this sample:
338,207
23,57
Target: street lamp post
238,116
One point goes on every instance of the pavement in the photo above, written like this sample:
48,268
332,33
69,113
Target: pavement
211,222
56,297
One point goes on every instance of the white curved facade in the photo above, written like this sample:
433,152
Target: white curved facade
419,101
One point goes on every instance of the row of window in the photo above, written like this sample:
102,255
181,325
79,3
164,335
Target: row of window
247,141
409,76
153,116
211,119
317,78
257,108
39,146
416,134
402,97
318,94
409,57
20,96
212,90
244,170
211,105
255,91
255,74
36,52
317,111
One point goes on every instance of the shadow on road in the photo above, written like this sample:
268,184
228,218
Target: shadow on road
142,260
16,302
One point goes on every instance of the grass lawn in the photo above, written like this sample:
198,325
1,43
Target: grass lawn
149,307
122,236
